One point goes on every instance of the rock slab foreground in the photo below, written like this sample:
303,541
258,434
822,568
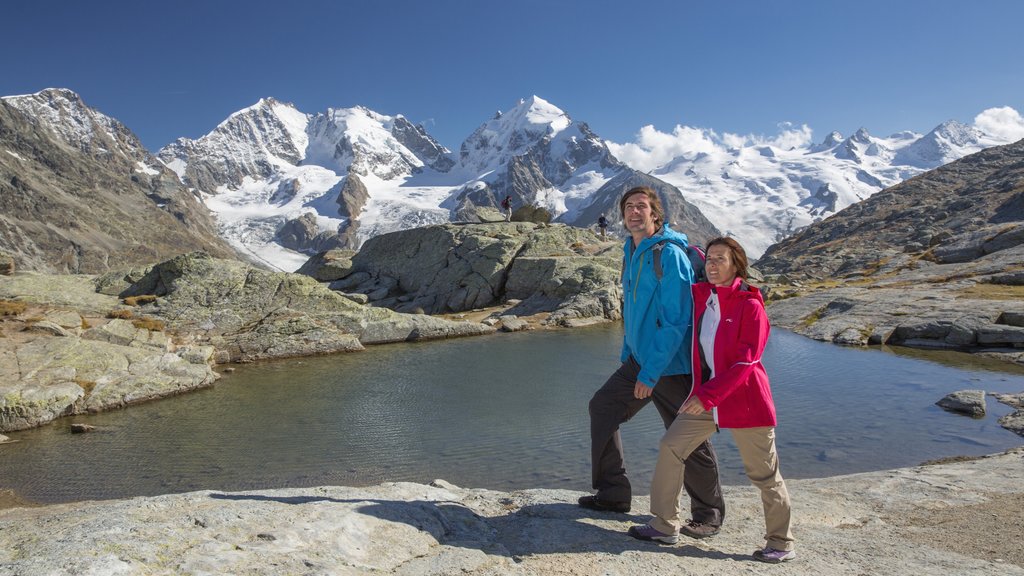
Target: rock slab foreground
890,522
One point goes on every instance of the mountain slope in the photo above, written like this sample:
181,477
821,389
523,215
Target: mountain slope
79,193
953,213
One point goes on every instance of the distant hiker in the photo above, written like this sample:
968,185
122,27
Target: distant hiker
506,205
730,390
655,365
602,223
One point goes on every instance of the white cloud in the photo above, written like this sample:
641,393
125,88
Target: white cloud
1003,123
653,148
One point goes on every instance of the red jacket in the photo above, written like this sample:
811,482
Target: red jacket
739,391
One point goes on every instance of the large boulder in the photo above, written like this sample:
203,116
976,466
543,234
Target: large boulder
49,377
255,314
560,269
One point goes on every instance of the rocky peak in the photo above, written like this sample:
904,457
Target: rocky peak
365,142
250,142
831,141
423,145
947,142
64,113
512,133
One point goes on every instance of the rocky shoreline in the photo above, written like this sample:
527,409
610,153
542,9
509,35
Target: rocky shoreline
957,517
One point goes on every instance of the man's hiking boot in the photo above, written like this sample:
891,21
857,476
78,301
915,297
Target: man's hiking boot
773,556
698,530
649,533
595,503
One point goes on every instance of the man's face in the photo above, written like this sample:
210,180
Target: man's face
638,215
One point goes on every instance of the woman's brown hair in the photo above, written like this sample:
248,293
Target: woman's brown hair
736,254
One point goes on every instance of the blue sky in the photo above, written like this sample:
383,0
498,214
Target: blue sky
173,69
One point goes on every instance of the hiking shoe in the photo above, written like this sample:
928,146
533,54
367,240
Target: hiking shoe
648,532
595,503
773,556
698,530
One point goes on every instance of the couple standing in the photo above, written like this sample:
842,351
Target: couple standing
659,354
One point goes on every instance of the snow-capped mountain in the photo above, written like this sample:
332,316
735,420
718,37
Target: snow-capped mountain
538,155
761,191
270,164
283,182
949,141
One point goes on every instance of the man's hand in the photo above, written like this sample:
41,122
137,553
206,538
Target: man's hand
641,390
693,406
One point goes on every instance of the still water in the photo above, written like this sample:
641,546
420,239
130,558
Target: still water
506,411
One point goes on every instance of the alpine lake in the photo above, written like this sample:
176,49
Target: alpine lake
505,411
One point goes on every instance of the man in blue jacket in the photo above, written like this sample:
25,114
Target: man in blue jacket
657,317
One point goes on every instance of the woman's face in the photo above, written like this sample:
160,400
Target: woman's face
718,265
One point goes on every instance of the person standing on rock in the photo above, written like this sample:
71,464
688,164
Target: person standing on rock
731,390
655,365
506,205
602,223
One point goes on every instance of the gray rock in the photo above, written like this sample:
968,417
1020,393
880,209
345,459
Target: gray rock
565,271
1013,422
49,377
399,528
255,314
47,327
1011,319
1014,400
970,402
511,323
357,298
117,281
1001,335
75,291
68,319
303,234
328,266
124,333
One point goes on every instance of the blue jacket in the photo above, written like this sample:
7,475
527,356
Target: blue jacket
658,316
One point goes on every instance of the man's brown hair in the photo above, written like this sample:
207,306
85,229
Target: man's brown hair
656,210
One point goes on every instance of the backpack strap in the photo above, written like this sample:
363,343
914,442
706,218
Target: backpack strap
658,273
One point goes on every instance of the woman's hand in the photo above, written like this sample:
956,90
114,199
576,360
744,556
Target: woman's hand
692,406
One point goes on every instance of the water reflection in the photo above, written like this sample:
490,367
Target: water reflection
505,411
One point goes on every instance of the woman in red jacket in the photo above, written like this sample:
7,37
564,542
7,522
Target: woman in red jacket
731,390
